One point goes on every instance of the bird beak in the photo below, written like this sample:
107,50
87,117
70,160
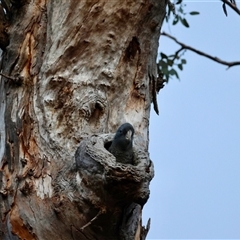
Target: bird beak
129,135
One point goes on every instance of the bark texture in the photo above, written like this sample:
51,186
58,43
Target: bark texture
77,70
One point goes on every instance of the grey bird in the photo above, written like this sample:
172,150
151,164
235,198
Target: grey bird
122,144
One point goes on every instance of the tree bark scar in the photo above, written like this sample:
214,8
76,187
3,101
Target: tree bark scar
18,226
132,49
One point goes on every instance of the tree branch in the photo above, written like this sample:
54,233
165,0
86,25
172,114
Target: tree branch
177,52
92,220
232,6
17,79
8,77
215,59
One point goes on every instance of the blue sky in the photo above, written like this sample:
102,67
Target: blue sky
195,141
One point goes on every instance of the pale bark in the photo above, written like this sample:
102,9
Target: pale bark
82,68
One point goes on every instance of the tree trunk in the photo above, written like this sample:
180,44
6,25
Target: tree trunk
75,71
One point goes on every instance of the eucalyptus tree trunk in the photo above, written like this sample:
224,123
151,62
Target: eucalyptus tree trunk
73,72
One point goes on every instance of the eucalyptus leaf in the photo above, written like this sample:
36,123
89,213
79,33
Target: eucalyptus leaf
178,2
184,61
163,64
170,62
175,20
224,9
163,55
180,66
165,71
194,13
184,22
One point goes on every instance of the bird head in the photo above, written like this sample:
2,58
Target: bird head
124,136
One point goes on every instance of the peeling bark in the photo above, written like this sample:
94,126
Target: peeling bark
83,69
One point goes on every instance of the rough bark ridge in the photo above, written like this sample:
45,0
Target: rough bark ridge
82,68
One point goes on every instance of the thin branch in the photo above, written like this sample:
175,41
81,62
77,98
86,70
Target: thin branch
18,80
216,59
91,221
8,77
176,53
232,6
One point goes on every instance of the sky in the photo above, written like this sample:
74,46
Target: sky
195,140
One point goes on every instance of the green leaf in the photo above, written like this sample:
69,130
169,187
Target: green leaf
175,20
180,66
224,9
173,72
170,62
163,55
165,71
184,61
178,2
163,64
194,13
184,22
181,10
168,14
166,77
177,75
